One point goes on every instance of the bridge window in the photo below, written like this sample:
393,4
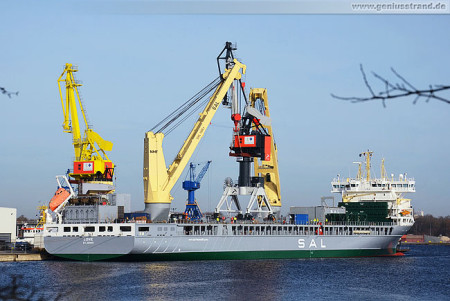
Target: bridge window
125,228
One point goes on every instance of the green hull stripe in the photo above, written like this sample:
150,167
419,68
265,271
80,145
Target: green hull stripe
237,255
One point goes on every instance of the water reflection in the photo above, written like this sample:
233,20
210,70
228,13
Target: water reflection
218,280
342,278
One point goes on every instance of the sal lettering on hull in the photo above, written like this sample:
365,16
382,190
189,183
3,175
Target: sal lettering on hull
312,244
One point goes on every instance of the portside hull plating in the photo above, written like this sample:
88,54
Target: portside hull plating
226,247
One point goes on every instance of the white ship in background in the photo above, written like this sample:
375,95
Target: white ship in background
368,192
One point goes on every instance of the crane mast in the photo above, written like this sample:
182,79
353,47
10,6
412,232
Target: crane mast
252,141
193,211
158,179
368,155
268,169
69,106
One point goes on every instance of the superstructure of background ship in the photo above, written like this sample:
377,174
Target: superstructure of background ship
91,222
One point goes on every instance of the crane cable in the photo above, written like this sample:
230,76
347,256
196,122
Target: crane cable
192,105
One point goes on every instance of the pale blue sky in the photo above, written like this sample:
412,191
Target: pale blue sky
137,68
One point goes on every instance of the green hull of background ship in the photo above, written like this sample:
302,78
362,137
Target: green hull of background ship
247,223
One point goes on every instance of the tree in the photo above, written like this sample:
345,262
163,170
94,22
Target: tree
430,225
22,219
402,88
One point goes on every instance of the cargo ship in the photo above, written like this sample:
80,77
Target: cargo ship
368,221
90,221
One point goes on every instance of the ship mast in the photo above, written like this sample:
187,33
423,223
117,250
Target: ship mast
368,155
359,175
383,170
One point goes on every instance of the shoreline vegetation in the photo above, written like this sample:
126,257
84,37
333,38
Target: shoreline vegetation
431,226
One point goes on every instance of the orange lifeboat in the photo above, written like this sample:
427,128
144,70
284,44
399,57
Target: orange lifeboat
60,196
405,212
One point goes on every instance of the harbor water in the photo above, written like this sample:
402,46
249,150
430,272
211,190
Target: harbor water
423,274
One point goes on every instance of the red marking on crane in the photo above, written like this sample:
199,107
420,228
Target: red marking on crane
267,147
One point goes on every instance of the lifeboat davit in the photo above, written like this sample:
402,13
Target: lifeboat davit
60,196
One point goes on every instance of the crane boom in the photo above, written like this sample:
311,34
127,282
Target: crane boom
71,123
203,172
159,181
268,168
347,198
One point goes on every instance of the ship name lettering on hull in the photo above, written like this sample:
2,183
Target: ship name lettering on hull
88,241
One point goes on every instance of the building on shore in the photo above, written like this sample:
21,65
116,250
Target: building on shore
8,230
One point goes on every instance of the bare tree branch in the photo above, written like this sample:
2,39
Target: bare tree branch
18,289
365,80
397,90
8,93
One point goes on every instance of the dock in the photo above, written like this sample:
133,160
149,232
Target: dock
18,257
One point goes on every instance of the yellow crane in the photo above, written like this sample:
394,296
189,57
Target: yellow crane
268,168
368,155
347,198
158,179
91,161
42,216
